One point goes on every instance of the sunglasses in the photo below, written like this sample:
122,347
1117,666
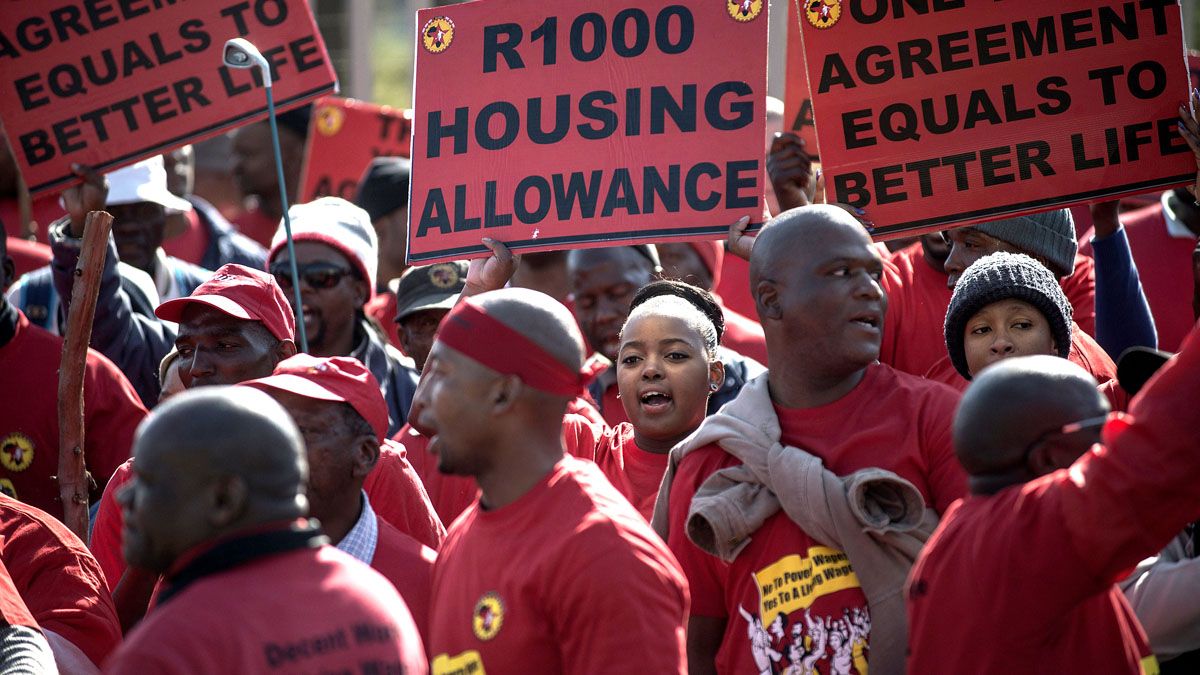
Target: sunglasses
319,275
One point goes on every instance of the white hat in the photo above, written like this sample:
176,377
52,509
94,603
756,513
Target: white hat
337,223
145,181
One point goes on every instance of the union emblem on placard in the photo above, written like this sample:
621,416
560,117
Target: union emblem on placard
822,13
437,34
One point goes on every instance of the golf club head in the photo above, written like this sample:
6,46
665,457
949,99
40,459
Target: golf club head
240,53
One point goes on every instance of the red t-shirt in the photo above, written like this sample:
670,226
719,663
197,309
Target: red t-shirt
29,417
58,579
744,336
1080,289
190,244
12,608
1164,266
27,256
451,495
1085,352
1022,581
611,408
393,487
382,308
397,495
776,614
733,287
567,579
636,473
408,564
308,610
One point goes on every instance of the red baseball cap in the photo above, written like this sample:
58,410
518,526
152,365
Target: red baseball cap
243,293
338,378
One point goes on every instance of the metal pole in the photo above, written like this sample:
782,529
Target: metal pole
287,222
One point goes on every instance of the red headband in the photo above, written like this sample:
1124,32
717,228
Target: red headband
469,329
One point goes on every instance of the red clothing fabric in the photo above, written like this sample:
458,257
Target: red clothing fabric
408,564
614,412
45,210
27,255
1022,581
257,225
308,610
58,579
913,339
1164,266
734,286
557,582
1085,352
450,495
393,487
29,416
382,308
12,608
744,335
634,472
776,613
583,406
397,495
190,244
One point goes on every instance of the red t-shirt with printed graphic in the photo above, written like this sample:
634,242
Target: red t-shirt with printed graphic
29,416
788,600
566,579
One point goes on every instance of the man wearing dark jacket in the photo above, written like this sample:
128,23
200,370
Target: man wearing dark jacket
337,258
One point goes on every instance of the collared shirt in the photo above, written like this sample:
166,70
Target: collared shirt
1175,227
360,541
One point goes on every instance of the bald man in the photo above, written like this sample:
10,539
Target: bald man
550,570
815,275
217,505
1019,575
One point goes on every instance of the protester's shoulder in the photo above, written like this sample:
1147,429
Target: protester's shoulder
32,530
701,462
399,546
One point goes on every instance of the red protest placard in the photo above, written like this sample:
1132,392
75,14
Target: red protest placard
345,135
564,125
932,113
797,101
108,83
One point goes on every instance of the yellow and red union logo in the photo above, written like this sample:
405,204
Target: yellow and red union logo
330,119
437,34
744,10
488,616
16,452
822,13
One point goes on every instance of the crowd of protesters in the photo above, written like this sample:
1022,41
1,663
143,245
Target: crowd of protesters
794,451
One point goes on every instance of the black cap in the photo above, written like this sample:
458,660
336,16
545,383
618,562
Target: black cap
384,186
430,287
1137,365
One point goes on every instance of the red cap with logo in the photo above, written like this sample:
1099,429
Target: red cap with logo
243,293
338,378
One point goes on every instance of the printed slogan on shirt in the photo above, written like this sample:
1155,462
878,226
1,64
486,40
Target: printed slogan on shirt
564,125
939,112
794,583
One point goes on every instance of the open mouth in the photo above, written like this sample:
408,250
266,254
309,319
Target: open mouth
655,401
870,321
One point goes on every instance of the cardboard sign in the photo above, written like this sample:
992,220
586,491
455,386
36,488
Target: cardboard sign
563,125
939,112
345,135
797,101
107,83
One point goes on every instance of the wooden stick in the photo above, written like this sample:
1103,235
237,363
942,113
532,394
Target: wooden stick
73,479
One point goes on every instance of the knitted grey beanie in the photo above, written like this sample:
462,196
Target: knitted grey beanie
1004,276
1049,235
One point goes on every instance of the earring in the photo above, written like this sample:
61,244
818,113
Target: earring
618,394
713,386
